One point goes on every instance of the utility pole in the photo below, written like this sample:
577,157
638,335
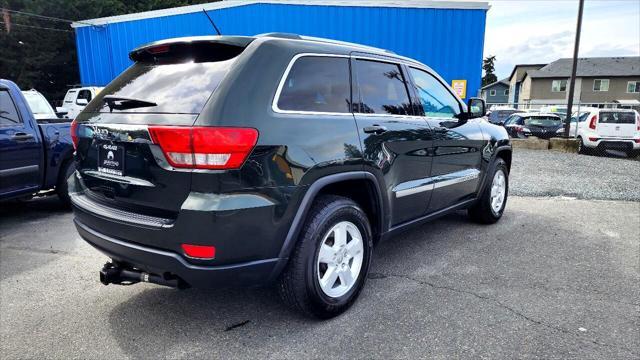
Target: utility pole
572,81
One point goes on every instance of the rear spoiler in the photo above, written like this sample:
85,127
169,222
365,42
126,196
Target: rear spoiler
146,51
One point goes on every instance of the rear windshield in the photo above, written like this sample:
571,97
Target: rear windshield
164,88
617,117
542,121
501,114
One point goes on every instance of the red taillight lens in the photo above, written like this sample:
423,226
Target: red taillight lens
161,49
593,139
205,147
74,133
638,122
592,123
199,251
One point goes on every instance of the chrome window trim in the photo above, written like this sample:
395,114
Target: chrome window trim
283,79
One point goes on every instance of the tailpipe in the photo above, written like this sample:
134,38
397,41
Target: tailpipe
116,274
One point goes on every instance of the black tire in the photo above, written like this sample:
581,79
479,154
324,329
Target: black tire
298,285
582,149
633,153
482,212
62,188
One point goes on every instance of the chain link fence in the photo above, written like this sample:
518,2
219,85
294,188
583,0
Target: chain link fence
600,129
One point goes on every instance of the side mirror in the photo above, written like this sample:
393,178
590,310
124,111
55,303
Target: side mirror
476,107
82,102
61,111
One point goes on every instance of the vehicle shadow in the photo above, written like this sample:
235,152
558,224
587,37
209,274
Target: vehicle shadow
33,209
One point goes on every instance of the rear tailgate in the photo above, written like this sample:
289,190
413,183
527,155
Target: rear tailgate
122,166
617,124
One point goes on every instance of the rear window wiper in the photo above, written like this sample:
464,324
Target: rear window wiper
123,103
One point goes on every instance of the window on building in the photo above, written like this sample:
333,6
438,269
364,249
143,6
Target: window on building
436,100
8,112
492,93
633,87
317,84
506,92
601,85
559,85
383,89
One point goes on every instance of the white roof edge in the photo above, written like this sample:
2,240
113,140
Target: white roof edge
426,4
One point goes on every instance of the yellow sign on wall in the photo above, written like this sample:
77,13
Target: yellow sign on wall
459,87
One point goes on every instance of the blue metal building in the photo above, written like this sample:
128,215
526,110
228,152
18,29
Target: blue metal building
446,35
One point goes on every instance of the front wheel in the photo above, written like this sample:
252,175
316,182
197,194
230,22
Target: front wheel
493,200
330,263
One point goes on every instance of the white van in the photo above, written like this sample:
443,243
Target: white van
77,98
616,129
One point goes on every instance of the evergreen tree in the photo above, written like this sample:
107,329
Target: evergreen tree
488,65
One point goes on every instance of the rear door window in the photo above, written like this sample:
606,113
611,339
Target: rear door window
8,112
545,121
317,84
617,117
383,88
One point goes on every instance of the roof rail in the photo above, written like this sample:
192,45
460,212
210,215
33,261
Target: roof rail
323,40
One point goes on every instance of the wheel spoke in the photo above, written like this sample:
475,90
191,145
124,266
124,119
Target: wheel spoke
340,235
346,278
326,254
354,247
329,278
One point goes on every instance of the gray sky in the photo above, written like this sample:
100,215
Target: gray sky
540,31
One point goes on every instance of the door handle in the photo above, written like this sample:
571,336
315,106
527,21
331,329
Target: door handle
375,129
21,136
440,129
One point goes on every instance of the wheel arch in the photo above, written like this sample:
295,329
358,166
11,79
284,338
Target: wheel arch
337,184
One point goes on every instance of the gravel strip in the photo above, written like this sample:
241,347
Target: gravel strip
551,173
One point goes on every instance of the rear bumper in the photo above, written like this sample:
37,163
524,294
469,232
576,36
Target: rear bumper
161,262
612,143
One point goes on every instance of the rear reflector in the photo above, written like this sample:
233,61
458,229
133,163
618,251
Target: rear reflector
593,139
199,251
74,133
204,147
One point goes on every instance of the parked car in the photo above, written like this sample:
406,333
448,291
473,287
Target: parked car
77,98
260,165
36,156
41,108
607,129
540,125
499,115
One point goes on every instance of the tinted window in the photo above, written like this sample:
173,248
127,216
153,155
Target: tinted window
542,121
8,111
319,84
174,88
617,117
436,100
514,120
382,88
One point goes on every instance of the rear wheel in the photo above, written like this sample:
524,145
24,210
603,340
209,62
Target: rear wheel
330,263
582,149
62,188
493,200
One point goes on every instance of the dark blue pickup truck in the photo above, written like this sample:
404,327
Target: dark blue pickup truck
36,157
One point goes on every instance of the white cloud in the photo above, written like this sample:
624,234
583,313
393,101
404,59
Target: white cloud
539,31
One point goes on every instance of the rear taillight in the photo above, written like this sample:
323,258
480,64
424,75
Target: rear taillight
593,121
638,122
593,138
204,147
74,133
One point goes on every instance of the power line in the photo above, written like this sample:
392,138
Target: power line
39,27
43,17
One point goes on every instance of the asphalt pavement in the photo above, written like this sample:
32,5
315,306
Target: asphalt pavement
555,278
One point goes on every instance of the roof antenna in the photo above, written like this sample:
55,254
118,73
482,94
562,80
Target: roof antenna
211,21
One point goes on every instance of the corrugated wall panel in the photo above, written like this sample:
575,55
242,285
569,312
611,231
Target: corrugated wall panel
448,40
